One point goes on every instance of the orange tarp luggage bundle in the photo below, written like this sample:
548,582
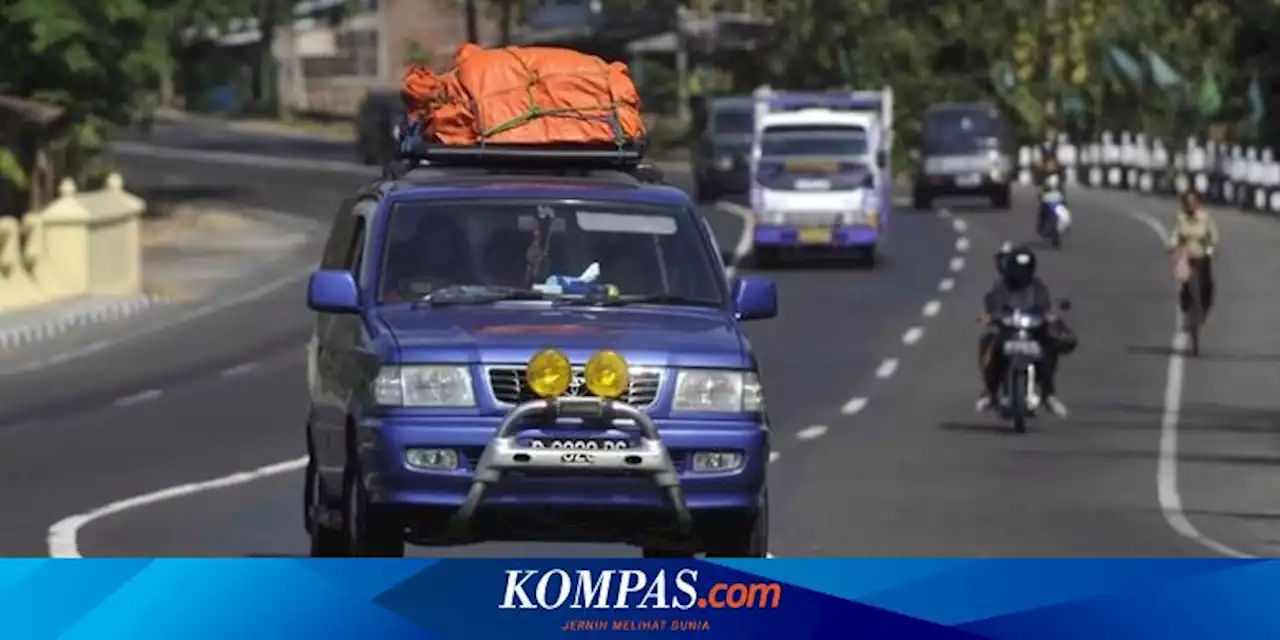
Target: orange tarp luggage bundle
525,96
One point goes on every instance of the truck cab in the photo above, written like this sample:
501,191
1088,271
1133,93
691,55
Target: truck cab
820,175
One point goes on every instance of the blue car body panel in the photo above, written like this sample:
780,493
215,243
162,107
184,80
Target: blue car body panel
349,349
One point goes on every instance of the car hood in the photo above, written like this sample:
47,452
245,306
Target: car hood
512,332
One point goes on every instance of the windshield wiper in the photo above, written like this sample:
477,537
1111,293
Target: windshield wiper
468,295
619,301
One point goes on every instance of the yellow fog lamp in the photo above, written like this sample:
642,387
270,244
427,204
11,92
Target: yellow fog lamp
606,374
549,373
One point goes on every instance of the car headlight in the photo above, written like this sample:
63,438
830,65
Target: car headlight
718,391
424,386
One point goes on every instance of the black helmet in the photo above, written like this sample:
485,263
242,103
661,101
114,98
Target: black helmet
1019,267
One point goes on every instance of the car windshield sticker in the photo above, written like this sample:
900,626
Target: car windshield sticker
626,223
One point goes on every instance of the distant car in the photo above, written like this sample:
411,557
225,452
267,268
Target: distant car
722,152
507,350
377,126
965,149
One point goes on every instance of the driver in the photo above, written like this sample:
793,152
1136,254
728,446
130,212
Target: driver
1018,288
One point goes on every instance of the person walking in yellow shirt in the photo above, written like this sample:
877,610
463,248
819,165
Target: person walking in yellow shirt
1196,233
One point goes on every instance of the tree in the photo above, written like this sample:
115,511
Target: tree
100,59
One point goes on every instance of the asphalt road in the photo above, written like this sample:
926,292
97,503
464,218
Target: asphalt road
870,378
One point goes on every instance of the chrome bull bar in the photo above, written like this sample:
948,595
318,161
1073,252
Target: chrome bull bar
503,453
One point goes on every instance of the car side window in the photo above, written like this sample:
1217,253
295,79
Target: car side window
337,246
355,251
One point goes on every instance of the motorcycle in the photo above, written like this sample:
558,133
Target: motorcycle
1054,218
1020,396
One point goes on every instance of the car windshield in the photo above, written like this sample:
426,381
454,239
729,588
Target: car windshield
732,121
813,140
961,132
489,247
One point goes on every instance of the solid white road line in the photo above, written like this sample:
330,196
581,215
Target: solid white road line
886,368
931,308
912,336
947,284
853,406
743,248
812,433
62,538
137,398
239,369
1167,470
957,264
194,314
962,244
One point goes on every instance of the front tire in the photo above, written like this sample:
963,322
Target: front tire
370,531
1018,399
744,536
326,542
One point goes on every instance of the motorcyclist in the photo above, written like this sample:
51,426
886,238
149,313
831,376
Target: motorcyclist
1017,288
1196,232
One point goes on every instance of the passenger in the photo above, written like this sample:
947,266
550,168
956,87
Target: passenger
436,255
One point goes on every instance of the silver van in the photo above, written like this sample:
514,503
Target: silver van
965,149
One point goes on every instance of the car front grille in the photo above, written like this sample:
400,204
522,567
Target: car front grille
812,218
510,385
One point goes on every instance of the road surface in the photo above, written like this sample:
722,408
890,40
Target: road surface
870,377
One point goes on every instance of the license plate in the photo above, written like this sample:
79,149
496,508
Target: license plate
809,184
815,235
970,180
1022,348
579,444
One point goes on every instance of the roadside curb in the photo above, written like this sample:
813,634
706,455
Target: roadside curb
93,311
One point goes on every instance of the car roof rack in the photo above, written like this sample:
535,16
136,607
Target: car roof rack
520,159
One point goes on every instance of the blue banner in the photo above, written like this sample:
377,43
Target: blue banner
142,599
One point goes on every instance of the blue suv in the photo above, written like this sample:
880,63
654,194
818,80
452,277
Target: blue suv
525,345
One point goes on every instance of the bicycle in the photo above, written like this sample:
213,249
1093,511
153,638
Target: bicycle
1193,315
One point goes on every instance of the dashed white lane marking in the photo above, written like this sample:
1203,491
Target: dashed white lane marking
912,336
853,406
812,433
886,368
957,264
143,396
743,247
947,284
931,308
239,369
959,225
774,455
62,535
962,244
1167,470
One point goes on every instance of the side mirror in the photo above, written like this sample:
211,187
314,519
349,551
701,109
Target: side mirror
882,159
755,298
333,291
1064,304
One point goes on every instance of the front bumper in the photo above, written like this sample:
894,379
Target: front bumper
961,183
610,482
839,236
